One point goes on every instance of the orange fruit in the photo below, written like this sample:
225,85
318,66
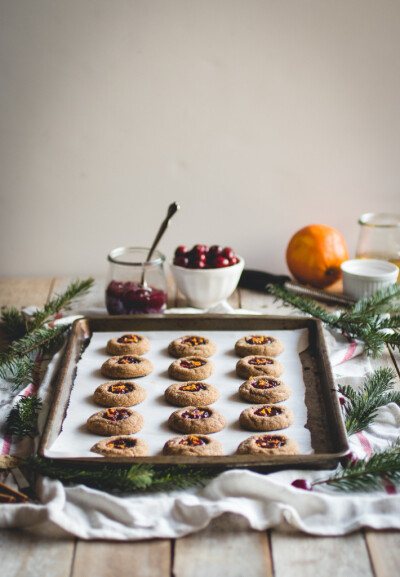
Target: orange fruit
314,255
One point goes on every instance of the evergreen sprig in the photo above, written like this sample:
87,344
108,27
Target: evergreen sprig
22,420
34,336
368,474
123,478
360,407
362,321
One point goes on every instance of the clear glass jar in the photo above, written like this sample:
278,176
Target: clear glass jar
135,286
379,237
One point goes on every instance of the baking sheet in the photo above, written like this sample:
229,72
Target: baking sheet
75,440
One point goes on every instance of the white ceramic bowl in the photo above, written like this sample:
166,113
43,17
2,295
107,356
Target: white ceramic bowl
363,277
206,287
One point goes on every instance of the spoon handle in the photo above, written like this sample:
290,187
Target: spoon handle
172,209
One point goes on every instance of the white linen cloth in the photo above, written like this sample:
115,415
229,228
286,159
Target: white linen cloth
265,500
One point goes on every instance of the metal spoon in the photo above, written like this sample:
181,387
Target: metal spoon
172,209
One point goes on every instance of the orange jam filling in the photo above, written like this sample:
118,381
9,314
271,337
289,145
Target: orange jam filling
196,414
128,339
268,411
194,341
270,442
192,441
120,388
116,414
258,340
128,360
264,384
193,387
258,361
191,364
121,444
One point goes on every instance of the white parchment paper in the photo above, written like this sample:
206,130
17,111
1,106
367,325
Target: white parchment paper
75,440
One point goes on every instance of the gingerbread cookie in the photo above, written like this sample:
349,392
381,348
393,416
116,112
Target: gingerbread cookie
255,365
119,394
115,421
266,418
190,369
259,345
268,445
197,420
264,390
121,446
192,345
191,393
129,344
126,367
196,445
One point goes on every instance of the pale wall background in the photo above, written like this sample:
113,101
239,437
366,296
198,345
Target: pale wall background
258,116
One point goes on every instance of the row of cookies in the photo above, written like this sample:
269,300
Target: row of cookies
127,365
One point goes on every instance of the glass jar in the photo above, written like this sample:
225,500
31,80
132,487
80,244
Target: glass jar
379,237
135,286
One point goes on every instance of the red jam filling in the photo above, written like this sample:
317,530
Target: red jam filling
120,388
193,387
194,341
268,411
192,364
264,384
192,441
121,444
270,442
258,340
116,414
258,361
196,414
128,339
127,360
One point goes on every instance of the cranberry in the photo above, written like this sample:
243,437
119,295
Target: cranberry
199,262
181,251
302,484
228,253
220,262
233,260
132,297
348,460
181,261
200,248
215,250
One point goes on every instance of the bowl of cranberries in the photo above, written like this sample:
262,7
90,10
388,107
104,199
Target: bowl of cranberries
206,275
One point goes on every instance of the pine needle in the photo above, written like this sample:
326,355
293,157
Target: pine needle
22,420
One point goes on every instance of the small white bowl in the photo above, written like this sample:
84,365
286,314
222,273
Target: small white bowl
363,277
206,287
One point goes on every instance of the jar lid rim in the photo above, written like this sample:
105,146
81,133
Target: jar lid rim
115,255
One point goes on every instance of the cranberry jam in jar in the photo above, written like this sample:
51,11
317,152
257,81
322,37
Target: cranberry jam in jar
135,286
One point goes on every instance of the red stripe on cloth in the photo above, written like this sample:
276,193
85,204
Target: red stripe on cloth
350,351
6,445
364,443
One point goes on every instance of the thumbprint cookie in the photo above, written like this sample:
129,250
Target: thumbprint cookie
129,344
264,390
268,445
259,345
192,345
196,445
126,367
193,420
257,365
266,418
190,369
191,393
121,446
115,421
119,394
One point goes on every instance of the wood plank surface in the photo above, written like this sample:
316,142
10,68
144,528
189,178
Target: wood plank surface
384,549
307,556
226,547
24,554
126,559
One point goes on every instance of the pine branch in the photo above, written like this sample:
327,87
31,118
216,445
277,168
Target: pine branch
360,407
14,323
22,420
363,321
122,478
368,474
60,302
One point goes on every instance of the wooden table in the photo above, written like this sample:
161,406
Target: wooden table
226,547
